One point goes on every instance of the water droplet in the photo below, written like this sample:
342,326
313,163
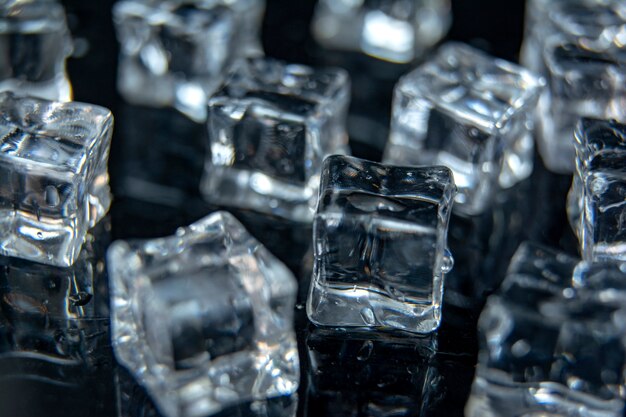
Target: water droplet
366,351
39,235
51,196
520,348
299,306
80,298
448,261
367,314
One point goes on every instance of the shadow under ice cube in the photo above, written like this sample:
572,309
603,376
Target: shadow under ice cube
54,183
549,347
270,127
597,199
34,43
204,319
380,245
176,52
470,112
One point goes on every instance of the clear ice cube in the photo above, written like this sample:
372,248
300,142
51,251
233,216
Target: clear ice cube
176,52
470,112
54,183
392,30
270,127
582,83
594,24
204,319
548,347
596,205
380,245
35,42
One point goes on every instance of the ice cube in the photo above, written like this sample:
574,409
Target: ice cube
176,52
380,251
54,183
35,42
596,204
391,30
204,319
582,83
470,112
270,127
549,347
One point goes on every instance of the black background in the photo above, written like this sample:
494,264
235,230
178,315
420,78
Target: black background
155,166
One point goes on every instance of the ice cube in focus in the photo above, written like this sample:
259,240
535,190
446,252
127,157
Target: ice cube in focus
582,83
596,202
54,183
547,347
270,127
204,319
177,52
380,245
392,30
470,112
35,42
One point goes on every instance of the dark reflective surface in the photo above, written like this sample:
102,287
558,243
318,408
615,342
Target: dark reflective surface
55,352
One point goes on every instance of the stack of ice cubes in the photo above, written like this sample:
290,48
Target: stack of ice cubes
552,339
578,46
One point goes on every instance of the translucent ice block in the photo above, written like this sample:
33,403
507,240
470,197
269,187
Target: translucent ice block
470,112
34,43
270,127
380,245
596,205
582,83
392,30
593,24
176,52
54,183
548,347
204,319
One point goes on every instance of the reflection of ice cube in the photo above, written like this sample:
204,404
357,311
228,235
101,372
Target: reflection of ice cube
54,180
204,318
34,43
392,30
381,374
270,127
470,112
380,245
596,204
176,53
547,346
